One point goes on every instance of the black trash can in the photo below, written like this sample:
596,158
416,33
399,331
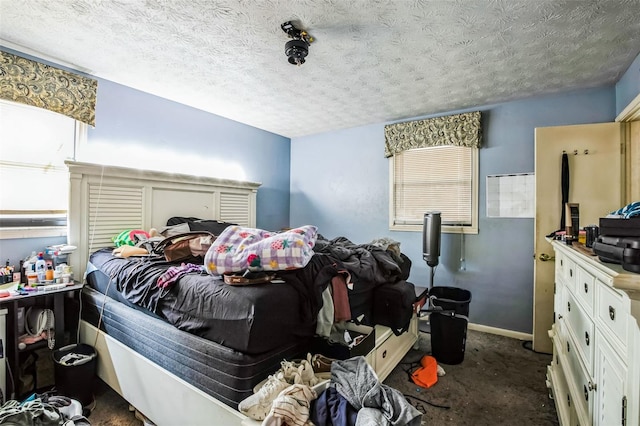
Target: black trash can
74,372
449,327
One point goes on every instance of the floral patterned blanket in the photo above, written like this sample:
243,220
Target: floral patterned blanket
239,249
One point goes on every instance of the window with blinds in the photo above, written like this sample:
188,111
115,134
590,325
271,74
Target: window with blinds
35,191
441,178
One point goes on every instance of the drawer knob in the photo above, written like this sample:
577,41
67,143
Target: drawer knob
561,262
571,272
569,400
384,354
586,394
569,306
559,316
586,337
568,347
612,313
586,288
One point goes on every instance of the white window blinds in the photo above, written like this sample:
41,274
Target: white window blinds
435,178
35,182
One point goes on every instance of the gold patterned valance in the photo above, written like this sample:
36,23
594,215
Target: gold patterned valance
458,130
32,83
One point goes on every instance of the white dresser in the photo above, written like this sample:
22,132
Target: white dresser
594,376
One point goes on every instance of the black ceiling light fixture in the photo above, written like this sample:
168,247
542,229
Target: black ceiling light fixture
298,48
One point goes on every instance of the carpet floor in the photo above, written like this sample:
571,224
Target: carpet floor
498,383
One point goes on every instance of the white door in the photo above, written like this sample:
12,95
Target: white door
596,184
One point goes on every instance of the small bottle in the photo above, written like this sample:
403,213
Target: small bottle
582,237
41,268
49,273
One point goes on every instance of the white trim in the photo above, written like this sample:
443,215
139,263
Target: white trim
500,331
493,330
392,173
446,229
80,136
631,111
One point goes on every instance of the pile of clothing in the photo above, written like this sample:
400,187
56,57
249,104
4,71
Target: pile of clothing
43,410
354,396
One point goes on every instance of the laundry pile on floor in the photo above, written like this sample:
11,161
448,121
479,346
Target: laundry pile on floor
353,395
43,410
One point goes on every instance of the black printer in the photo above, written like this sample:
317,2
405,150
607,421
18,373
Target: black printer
619,242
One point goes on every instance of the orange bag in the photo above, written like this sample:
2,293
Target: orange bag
427,375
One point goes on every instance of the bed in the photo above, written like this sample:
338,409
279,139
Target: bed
149,351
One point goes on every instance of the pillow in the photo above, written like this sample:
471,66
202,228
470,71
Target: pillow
239,249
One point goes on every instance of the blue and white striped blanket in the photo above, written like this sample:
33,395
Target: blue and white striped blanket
630,210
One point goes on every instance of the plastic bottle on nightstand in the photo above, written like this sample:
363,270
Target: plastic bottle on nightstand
41,268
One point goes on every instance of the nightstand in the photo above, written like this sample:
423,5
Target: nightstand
51,298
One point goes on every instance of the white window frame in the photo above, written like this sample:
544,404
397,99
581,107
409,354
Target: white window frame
417,226
17,232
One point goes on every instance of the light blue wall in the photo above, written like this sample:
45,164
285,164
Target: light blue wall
628,87
340,182
128,116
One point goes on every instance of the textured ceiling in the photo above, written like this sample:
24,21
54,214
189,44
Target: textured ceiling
372,60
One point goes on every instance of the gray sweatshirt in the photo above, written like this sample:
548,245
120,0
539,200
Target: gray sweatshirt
377,403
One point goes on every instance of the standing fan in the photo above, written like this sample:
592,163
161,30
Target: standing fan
431,241
431,229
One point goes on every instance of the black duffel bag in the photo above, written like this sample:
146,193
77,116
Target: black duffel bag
393,305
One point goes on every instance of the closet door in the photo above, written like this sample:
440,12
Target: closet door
596,184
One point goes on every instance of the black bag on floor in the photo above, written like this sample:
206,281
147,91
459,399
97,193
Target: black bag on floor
393,305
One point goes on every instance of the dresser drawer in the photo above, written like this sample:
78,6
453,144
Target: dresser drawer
612,313
390,349
585,289
559,306
569,273
581,327
559,392
582,384
560,264
558,347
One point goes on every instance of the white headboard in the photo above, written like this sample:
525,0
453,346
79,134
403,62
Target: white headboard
105,200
